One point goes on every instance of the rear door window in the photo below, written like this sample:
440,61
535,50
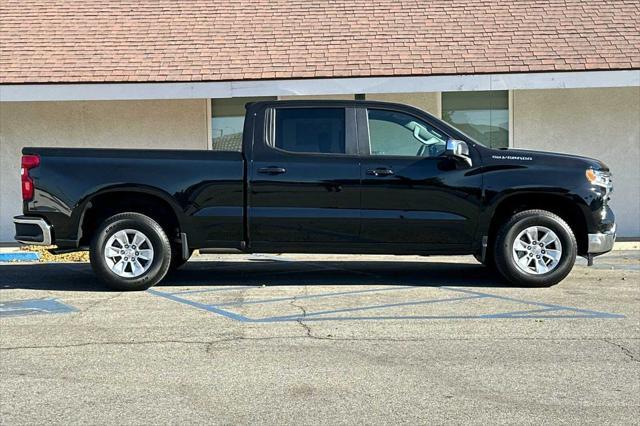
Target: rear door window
309,130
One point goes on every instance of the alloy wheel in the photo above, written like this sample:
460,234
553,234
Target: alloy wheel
128,253
537,250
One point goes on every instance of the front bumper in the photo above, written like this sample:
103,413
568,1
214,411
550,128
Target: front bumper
602,242
32,230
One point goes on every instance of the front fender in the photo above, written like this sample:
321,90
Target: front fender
562,191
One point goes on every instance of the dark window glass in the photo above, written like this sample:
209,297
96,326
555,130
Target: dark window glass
312,130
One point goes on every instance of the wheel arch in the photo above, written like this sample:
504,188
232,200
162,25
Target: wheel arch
565,207
147,200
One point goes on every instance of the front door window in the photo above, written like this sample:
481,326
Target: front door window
394,133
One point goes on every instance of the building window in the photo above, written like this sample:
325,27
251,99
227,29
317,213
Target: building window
227,122
482,115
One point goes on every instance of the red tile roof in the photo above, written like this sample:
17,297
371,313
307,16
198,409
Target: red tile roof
213,40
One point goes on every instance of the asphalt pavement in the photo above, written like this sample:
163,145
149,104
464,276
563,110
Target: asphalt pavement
319,339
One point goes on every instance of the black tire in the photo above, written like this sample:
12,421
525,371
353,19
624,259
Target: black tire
157,238
505,239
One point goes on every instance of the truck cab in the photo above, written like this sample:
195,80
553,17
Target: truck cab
366,176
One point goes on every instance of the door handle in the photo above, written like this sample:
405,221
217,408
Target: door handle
272,170
380,171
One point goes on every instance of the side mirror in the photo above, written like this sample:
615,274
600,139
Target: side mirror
458,149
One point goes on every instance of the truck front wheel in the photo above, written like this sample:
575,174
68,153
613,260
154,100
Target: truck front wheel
130,251
535,248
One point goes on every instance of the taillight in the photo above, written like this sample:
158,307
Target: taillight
28,162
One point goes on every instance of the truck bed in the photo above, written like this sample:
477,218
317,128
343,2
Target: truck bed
196,184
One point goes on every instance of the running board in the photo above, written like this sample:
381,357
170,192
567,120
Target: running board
220,251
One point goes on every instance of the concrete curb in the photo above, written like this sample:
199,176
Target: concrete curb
626,245
19,256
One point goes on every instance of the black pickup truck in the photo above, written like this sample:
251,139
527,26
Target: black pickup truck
320,177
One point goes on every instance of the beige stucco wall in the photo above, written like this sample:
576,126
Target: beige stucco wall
105,124
598,123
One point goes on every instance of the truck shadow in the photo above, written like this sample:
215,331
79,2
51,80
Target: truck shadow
80,277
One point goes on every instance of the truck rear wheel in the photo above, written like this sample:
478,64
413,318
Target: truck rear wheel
130,251
535,248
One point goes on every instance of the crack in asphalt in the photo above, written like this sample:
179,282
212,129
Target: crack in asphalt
624,350
108,343
343,339
306,327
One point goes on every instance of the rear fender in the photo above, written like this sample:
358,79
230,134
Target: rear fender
79,213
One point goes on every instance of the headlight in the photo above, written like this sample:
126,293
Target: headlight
600,178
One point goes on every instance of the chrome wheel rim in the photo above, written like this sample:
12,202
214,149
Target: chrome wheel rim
128,253
537,250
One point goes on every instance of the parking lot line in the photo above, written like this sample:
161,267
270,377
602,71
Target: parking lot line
226,288
15,308
388,305
563,312
204,306
315,296
547,305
